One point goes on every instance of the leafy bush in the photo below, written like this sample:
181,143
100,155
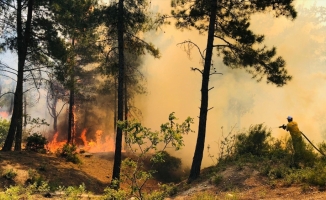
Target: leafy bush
9,174
4,128
36,142
254,142
317,175
35,178
72,192
169,170
274,158
110,194
21,192
144,142
69,152
216,179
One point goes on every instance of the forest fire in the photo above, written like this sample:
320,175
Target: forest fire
98,145
54,145
88,145
4,114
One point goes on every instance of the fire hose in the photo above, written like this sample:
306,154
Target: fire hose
283,126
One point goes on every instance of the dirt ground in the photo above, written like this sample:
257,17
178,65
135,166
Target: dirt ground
248,184
95,172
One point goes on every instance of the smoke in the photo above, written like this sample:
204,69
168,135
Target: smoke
238,101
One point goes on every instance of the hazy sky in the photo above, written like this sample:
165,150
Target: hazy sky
238,100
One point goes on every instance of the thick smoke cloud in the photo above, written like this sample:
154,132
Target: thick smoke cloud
237,100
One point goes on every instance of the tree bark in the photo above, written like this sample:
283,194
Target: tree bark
71,118
118,141
71,115
55,115
15,129
198,155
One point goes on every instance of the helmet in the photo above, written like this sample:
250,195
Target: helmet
289,117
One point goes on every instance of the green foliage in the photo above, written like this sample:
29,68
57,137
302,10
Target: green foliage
143,142
227,147
145,139
34,138
167,167
69,152
9,174
280,150
36,179
24,192
73,193
4,128
14,193
317,174
273,158
241,48
112,194
36,142
216,179
255,142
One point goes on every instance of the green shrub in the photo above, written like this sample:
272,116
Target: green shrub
216,179
34,178
317,175
278,172
9,174
14,192
4,128
110,194
74,193
168,170
69,152
254,142
36,142
145,143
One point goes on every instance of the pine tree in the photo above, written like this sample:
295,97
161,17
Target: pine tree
227,25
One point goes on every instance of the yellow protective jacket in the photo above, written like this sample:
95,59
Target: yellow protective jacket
293,128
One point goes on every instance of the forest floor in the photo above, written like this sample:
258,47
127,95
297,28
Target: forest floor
95,172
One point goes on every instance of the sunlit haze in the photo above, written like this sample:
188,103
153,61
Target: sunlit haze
238,101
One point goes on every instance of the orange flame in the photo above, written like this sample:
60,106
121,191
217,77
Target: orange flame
99,145
4,114
54,145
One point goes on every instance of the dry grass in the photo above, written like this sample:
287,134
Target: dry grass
95,171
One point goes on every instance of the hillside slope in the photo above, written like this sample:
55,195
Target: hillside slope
237,183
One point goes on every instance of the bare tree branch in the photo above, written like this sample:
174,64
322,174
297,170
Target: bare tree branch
190,45
196,69
6,93
7,77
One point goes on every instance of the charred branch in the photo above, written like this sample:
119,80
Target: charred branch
196,69
190,46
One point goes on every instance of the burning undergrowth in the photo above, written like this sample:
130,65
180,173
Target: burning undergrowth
102,143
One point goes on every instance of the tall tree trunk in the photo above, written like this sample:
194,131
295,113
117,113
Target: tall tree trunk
25,111
71,115
15,129
54,113
115,107
198,155
118,141
71,120
126,109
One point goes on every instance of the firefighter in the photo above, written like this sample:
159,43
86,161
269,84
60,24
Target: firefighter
299,146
